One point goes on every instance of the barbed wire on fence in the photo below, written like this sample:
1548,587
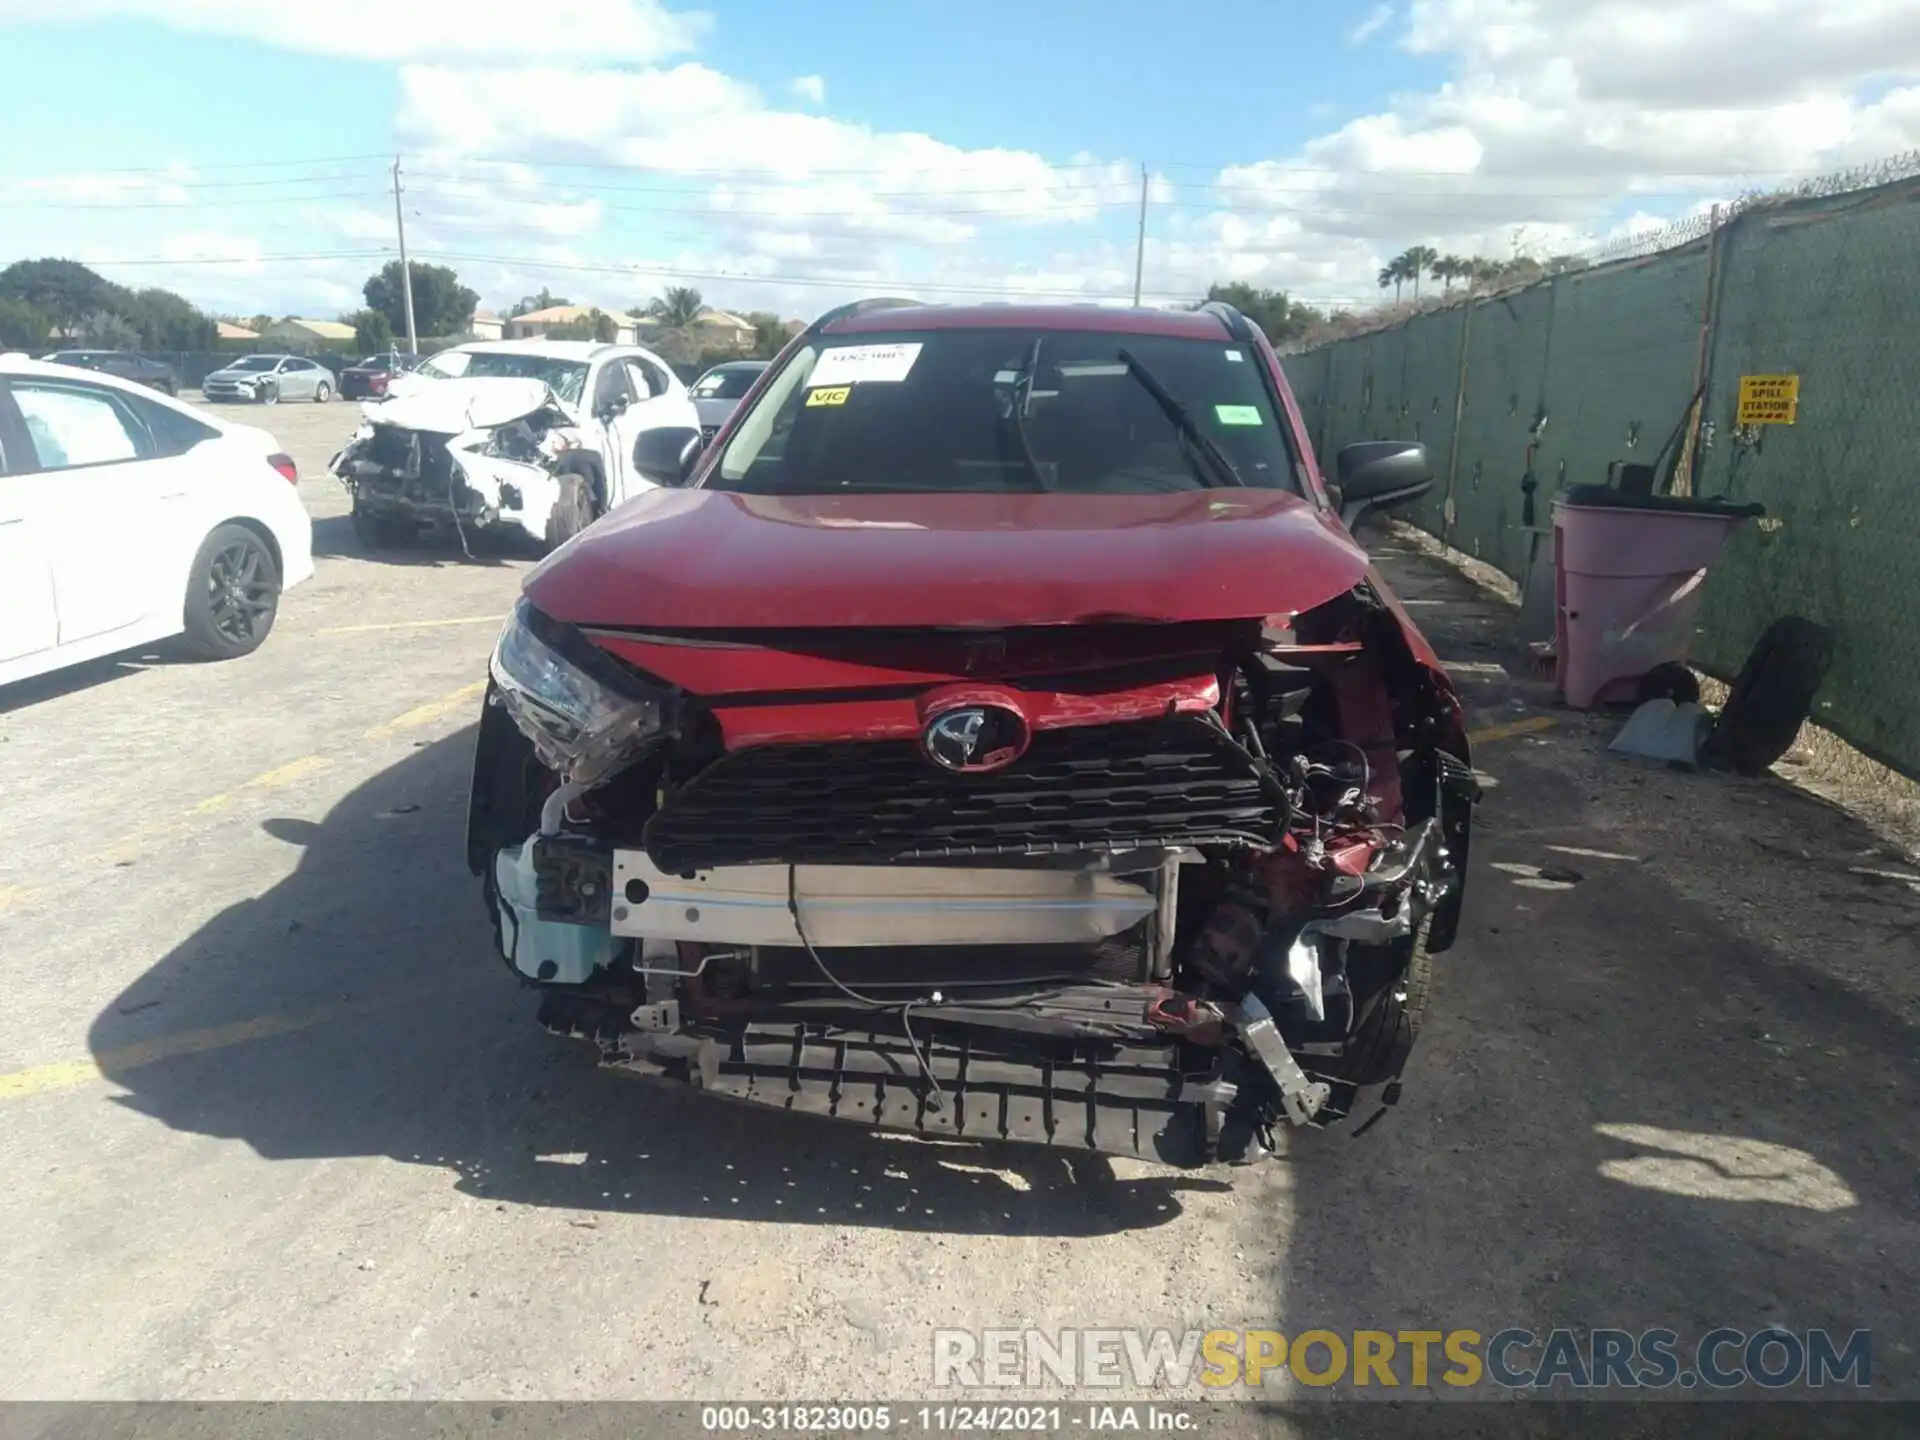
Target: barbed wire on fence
1693,228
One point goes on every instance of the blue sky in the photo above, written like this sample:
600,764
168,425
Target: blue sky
783,156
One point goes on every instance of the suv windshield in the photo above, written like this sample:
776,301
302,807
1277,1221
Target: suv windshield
728,384
255,362
566,378
1067,411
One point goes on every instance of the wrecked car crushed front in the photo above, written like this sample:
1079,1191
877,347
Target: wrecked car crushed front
478,453
999,736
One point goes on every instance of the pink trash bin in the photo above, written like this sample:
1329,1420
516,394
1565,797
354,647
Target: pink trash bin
1628,574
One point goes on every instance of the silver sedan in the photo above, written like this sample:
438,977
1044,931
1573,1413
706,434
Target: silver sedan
270,379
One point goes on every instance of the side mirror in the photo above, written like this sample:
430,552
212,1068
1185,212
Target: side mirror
1378,475
666,454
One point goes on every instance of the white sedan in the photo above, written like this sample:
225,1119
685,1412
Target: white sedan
127,517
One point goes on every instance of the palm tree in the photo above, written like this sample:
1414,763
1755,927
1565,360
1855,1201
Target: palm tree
1416,259
678,307
1393,275
1449,268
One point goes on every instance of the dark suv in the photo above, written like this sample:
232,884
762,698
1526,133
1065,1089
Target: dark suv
154,374
995,732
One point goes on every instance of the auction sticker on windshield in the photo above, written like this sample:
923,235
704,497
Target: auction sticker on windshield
831,395
853,364
1238,414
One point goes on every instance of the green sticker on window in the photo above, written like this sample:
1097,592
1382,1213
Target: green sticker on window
1238,414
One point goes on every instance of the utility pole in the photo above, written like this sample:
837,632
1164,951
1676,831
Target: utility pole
406,272
1140,251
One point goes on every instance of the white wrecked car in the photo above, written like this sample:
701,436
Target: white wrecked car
536,435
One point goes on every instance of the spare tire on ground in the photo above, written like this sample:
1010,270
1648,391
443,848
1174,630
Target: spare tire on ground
1773,695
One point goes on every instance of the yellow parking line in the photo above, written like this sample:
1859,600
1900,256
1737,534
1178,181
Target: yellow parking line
60,1075
428,713
267,780
410,625
1511,729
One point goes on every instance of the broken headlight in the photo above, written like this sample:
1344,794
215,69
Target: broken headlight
587,717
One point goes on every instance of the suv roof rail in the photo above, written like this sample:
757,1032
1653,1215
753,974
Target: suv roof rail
1238,326
860,307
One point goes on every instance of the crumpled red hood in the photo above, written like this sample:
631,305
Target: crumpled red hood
709,559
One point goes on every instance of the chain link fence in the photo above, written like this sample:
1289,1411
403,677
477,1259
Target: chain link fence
1520,395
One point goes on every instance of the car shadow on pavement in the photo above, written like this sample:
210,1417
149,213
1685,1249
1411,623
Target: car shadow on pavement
74,678
1624,1114
378,1020
333,537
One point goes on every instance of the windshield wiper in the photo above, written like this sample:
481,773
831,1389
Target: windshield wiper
1216,458
1022,397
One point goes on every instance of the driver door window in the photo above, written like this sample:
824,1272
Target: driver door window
648,382
612,392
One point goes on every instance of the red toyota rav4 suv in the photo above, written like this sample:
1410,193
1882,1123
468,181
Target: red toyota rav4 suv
993,732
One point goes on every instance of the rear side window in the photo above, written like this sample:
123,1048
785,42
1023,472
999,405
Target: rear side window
70,426
174,433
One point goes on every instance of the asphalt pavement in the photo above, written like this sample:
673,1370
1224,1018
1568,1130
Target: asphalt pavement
276,1122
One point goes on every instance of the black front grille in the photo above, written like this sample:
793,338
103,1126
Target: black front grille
395,448
1153,782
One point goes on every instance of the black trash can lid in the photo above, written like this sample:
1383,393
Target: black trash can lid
1605,497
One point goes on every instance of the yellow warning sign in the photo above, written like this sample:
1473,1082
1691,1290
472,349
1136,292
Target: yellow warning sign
1769,399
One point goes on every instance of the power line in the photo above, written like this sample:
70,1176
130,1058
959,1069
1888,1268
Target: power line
1276,166
786,186
859,282
45,180
235,259
200,204
784,172
178,166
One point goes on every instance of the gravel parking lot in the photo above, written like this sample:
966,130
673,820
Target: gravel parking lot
276,1122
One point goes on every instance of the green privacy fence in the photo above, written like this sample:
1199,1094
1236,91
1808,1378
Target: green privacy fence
1519,395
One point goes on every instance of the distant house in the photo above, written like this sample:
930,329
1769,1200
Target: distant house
536,323
223,331
722,330
297,334
486,326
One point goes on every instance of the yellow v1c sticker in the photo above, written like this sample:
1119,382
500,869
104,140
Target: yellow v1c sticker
829,395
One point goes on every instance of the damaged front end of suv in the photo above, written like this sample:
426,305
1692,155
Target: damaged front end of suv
1117,814
465,454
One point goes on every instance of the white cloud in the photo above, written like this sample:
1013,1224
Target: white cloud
1558,123
602,31
786,170
1561,117
1377,20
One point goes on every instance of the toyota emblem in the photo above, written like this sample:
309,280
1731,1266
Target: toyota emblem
975,739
